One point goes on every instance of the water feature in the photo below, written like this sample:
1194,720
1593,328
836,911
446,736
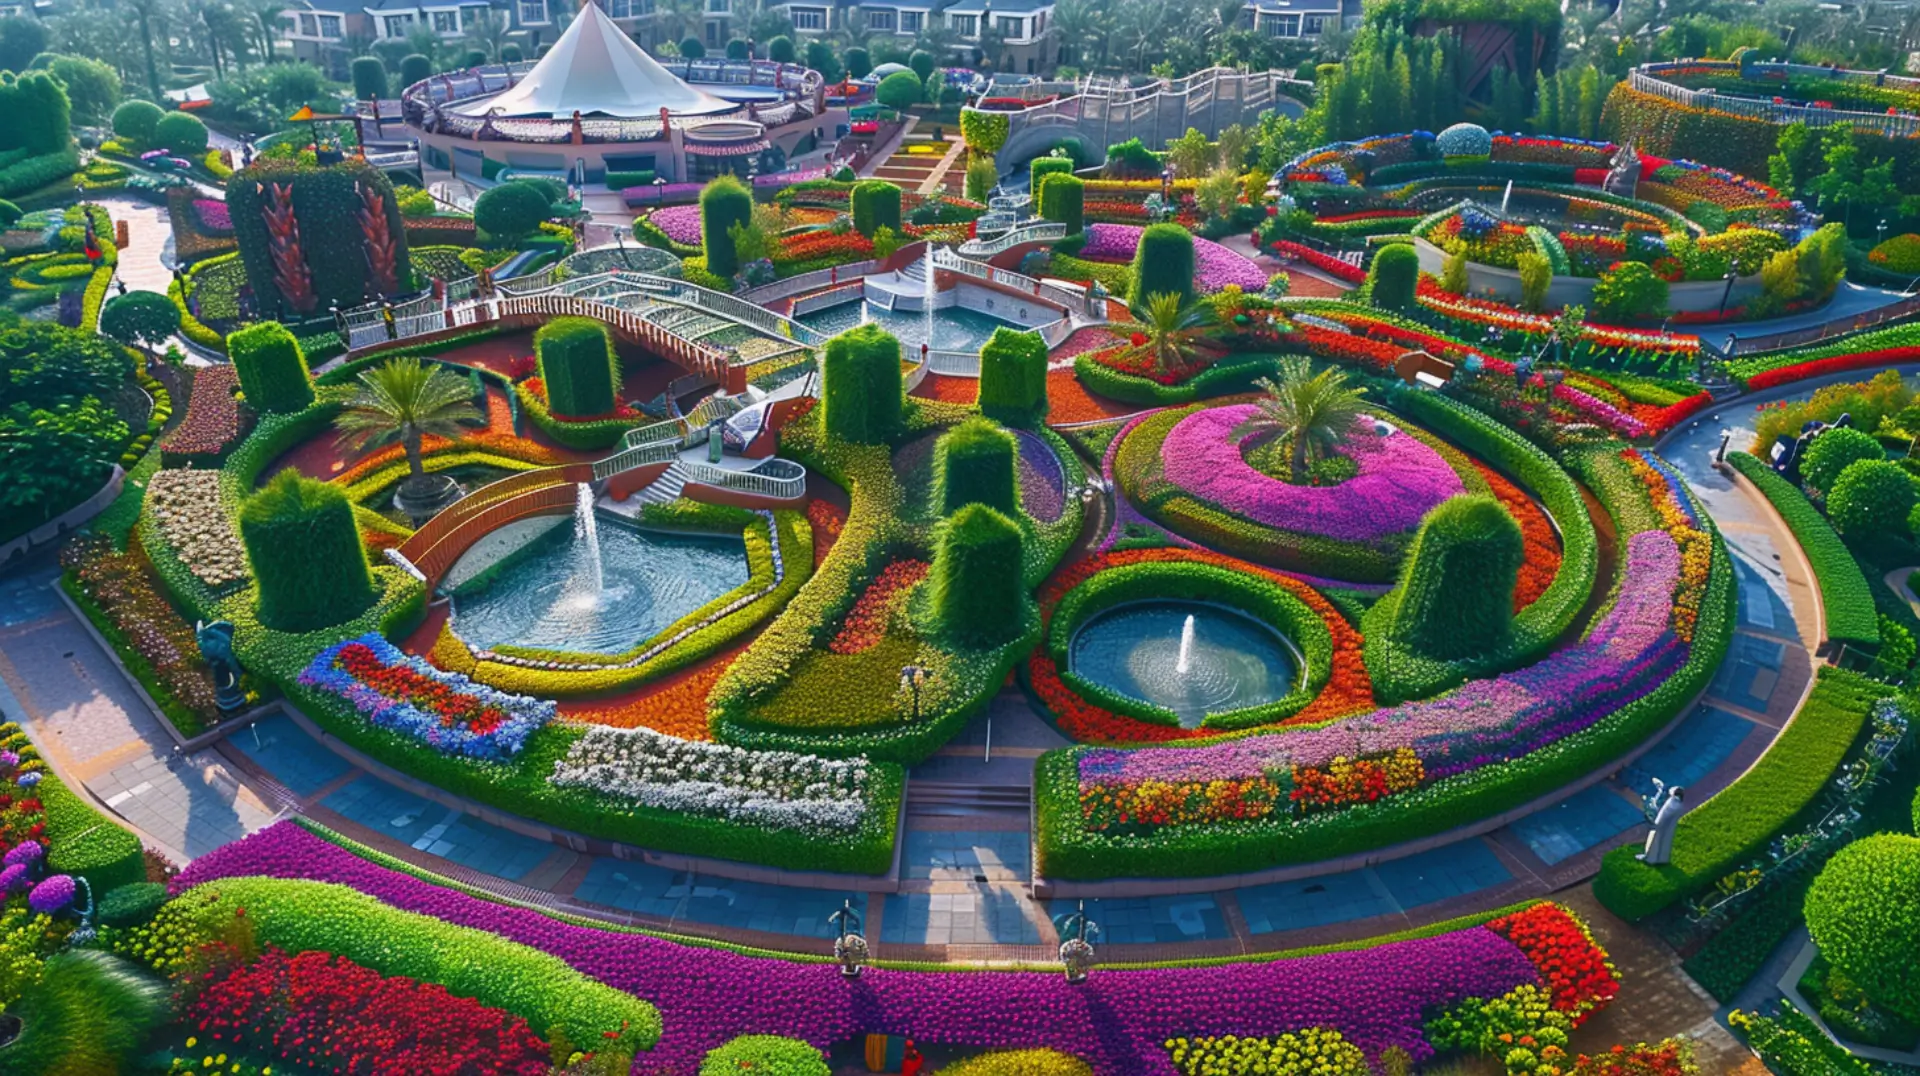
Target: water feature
593,589
1191,658
586,544
954,328
1505,198
928,296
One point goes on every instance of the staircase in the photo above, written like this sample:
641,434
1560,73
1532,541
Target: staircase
943,798
665,488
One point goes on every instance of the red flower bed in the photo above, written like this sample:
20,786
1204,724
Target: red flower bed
1782,375
1116,209
809,246
328,1013
1574,968
213,421
402,683
1542,560
866,622
1666,1058
1365,352
1370,214
1333,267
1661,419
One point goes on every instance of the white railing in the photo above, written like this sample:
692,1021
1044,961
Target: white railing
1892,125
1055,333
1072,300
779,478
673,430
954,363
638,456
916,375
794,285
830,297
1035,232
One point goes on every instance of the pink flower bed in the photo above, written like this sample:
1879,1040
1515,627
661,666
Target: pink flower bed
1214,266
680,222
1399,480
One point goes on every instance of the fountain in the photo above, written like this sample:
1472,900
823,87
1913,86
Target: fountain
1152,651
929,294
1185,661
586,538
1505,197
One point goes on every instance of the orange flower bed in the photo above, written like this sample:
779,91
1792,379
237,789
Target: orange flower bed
1542,545
827,520
954,390
1349,690
676,706
1069,401
866,622
500,444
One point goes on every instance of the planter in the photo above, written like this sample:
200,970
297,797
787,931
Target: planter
1692,296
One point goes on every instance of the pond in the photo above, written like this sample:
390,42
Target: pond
1230,661
954,328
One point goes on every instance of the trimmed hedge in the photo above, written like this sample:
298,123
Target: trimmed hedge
1844,596
1013,377
369,77
1832,451
1864,914
327,208
83,842
973,463
1228,376
1395,274
724,203
1041,167
133,122
305,551
978,595
1163,264
876,205
588,435
862,391
1737,824
273,372
764,1055
1455,598
578,367
1063,199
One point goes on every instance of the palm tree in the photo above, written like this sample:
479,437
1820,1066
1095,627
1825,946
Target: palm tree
1309,412
403,400
1171,329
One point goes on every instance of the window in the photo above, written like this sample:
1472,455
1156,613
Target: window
1283,25
965,25
533,12
471,15
809,18
1246,18
718,7
1314,25
397,25
330,27
620,9
446,22
1008,27
909,22
880,20
308,26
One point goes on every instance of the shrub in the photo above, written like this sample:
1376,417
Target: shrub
1844,597
1629,291
876,205
984,132
304,548
132,905
133,122
510,212
1536,276
1063,198
900,90
140,317
978,596
1041,167
327,203
1394,276
1833,451
973,463
1013,377
1864,914
982,177
780,49
415,68
1019,1063
862,392
859,62
578,365
9,213
691,48
1901,254
724,203
510,53
1163,264
1453,274
1871,496
273,372
369,78
765,1055
88,1013
83,843
922,62
1456,592
737,49
181,132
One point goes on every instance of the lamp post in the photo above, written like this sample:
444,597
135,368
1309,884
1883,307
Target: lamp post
1166,183
850,948
1076,945
911,677
1728,293
659,190
620,240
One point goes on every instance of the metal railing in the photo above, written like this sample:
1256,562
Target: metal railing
782,479
1073,300
954,363
1781,341
637,456
1646,80
1034,232
795,285
829,297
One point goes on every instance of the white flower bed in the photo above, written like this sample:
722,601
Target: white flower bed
771,788
185,505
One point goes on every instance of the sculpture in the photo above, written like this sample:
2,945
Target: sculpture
290,271
216,649
382,255
1666,811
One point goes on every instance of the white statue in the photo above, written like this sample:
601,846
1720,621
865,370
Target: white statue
1666,816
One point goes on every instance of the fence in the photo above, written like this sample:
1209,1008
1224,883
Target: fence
1036,232
805,282
1646,79
440,541
1073,300
777,478
831,297
1781,341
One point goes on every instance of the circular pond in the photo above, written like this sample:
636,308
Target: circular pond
1188,657
544,594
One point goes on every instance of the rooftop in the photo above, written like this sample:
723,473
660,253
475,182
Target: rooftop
595,69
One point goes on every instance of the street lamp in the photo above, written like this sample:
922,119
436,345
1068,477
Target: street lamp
911,678
620,240
1076,946
850,948
1728,293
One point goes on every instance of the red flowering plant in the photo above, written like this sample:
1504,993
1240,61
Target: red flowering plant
445,710
1668,1057
538,387
1573,968
866,623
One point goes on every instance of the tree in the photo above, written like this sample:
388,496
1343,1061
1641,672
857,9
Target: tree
1310,413
781,51
21,39
859,62
134,122
1864,914
1629,291
488,34
1871,497
976,594
724,203
900,90
1013,377
1191,154
974,463
982,177
144,12
578,366
692,49
1170,330
181,132
93,88
140,318
738,49
922,62
369,78
875,204
511,211
820,57
862,394
304,548
1833,451
1163,263
402,401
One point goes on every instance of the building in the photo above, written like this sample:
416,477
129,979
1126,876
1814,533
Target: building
1019,26
1294,18
326,33
399,20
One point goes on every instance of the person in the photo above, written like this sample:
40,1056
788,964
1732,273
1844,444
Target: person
912,1062
386,317
340,323
1659,846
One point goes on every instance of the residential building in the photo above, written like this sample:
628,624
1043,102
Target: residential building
812,18
1293,18
326,33
905,19
397,20
1020,27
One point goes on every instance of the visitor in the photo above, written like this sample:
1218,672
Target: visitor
340,324
386,318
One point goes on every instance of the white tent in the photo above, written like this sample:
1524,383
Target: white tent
596,69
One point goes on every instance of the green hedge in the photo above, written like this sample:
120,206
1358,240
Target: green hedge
1734,956
327,209
81,841
304,549
1266,602
1393,276
1732,827
578,366
723,203
862,391
1224,378
876,205
1013,377
272,371
1844,596
978,594
589,436
1041,167
1063,199
1864,913
1455,598
974,463
1163,264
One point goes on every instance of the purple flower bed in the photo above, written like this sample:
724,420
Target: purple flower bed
1399,481
680,222
212,216
1628,652
1214,266
1042,483
1117,1021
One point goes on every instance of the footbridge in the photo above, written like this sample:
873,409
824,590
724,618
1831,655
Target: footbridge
1097,113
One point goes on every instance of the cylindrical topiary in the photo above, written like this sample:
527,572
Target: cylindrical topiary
510,53
1040,167
859,62
305,552
1063,199
723,203
578,367
511,211
1871,497
1394,276
978,593
1013,377
691,48
764,1055
1163,265
973,463
1834,451
862,392
922,63
181,132
738,49
272,371
1864,914
369,78
133,122
780,49
876,205
1455,598
900,90
415,68
311,235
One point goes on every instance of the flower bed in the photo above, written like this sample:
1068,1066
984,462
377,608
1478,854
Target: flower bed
213,423
866,623
1214,266
775,789
1542,561
443,710
186,511
681,223
1118,1021
159,648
